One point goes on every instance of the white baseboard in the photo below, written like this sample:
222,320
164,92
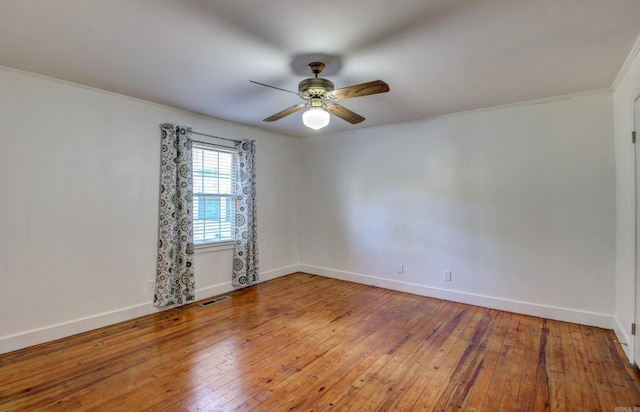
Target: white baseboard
279,272
60,330
213,290
32,337
527,308
624,339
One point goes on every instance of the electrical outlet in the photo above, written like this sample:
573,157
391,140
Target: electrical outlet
446,275
151,285
399,268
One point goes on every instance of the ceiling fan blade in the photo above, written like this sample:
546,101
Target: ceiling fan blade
359,90
344,113
273,87
285,112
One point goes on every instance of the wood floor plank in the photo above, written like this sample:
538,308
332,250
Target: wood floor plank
496,386
387,365
555,359
391,371
509,400
539,355
601,384
339,385
472,383
374,340
304,342
587,386
465,372
428,358
482,387
433,379
611,355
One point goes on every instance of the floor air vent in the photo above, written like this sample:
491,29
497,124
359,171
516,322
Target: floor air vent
216,300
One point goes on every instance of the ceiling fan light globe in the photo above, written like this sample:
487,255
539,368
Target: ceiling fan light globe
315,118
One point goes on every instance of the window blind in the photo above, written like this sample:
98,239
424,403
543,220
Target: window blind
214,184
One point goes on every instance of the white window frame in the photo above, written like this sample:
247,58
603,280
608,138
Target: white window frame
199,195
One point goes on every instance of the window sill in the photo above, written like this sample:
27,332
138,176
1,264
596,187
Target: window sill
214,247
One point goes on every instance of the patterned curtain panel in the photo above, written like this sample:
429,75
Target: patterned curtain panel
245,255
175,276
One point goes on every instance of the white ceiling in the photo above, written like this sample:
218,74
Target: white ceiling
438,56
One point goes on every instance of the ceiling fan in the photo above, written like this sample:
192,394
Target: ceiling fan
321,99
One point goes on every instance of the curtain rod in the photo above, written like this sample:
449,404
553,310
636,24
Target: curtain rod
216,137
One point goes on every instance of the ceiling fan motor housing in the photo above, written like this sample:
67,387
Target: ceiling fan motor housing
315,87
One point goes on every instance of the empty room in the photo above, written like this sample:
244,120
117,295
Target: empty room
319,206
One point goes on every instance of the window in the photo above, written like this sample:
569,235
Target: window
214,184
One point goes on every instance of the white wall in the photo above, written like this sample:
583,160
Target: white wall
79,178
626,91
517,202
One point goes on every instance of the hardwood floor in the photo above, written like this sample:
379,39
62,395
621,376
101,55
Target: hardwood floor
309,343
